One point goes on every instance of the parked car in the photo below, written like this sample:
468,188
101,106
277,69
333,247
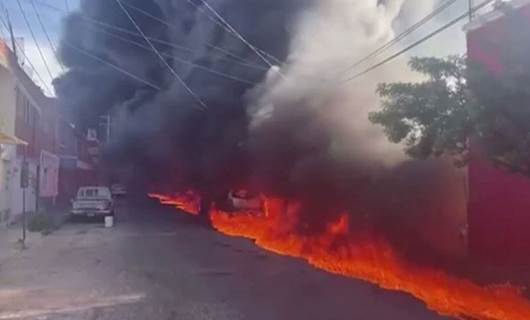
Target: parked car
93,202
118,190
244,200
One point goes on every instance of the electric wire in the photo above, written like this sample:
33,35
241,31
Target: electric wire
39,49
420,41
162,59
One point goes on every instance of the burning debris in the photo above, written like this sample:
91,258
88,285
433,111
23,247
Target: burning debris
187,202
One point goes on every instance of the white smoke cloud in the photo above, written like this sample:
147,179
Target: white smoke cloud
328,38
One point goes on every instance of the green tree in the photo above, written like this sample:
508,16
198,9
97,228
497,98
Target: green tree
431,117
459,101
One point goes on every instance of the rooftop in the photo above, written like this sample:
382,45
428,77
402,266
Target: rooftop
482,19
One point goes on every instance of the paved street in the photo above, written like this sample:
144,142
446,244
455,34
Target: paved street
156,264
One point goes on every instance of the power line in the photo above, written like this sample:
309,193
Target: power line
401,36
106,26
168,43
235,58
111,65
219,73
228,30
270,56
129,74
94,57
236,33
422,40
4,35
52,46
164,22
49,6
43,83
182,82
39,49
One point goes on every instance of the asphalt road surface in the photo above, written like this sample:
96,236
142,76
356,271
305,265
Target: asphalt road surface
158,264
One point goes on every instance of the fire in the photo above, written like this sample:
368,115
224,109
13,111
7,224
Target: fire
188,202
371,258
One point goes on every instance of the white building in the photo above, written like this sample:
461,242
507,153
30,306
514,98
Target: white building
26,115
7,129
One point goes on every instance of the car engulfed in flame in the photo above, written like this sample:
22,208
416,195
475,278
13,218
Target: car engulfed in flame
244,200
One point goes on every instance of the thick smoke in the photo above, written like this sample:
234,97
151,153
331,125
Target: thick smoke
310,135
294,129
163,132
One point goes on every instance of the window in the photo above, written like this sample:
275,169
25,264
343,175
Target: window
94,193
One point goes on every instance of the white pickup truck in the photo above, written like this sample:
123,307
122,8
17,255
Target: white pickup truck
93,202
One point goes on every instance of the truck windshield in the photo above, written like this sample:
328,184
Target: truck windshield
93,193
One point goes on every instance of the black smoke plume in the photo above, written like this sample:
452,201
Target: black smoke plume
162,132
283,130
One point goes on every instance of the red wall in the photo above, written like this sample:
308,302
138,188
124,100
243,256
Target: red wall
499,201
499,213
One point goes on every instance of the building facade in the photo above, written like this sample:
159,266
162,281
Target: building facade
499,202
7,128
29,115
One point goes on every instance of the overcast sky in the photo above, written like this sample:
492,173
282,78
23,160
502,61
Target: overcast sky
53,11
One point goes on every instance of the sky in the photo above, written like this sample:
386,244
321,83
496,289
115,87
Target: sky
53,12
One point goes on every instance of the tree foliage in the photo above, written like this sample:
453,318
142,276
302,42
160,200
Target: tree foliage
459,100
431,117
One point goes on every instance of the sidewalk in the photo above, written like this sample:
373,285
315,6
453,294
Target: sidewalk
9,241
11,234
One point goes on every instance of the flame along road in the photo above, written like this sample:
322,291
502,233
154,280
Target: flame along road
370,258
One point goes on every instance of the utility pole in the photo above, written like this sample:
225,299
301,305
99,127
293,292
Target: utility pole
24,172
24,183
13,41
470,4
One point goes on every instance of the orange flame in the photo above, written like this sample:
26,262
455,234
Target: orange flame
188,201
371,258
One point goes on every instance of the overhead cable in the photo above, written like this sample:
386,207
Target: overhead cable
237,34
422,40
235,58
111,65
39,49
184,61
50,42
26,58
167,24
162,59
227,29
401,36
